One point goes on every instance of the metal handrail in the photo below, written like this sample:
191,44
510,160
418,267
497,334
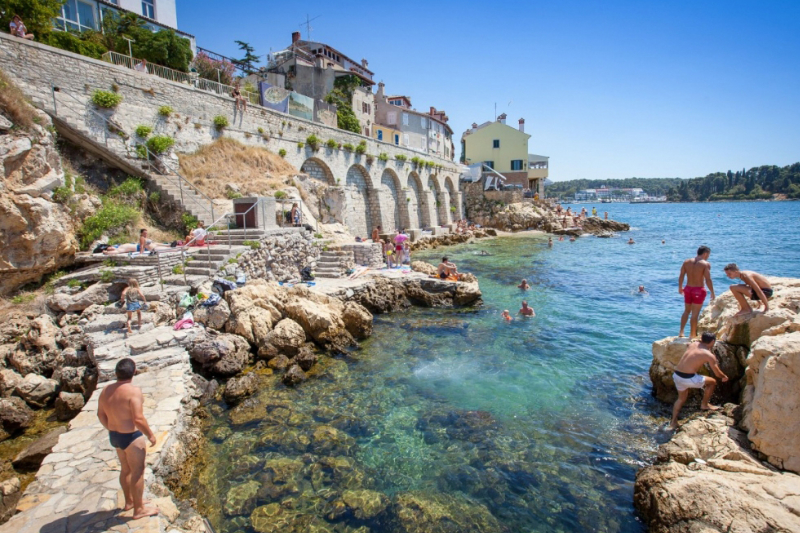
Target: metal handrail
167,73
149,152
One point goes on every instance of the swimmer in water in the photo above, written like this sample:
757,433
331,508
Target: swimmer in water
663,241
526,311
507,316
484,252
550,242
572,239
631,241
561,238
524,285
642,290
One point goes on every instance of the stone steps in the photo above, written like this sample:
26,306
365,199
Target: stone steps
155,338
116,321
145,362
200,271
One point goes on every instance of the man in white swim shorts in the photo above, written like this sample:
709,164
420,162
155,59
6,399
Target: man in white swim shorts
686,376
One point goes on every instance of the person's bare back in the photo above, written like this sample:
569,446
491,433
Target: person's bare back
686,377
115,401
697,273
695,270
694,358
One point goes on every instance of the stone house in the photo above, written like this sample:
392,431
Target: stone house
428,133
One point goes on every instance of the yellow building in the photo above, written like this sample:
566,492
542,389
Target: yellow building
386,134
505,149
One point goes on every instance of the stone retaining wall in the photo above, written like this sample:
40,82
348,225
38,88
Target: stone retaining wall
280,258
365,254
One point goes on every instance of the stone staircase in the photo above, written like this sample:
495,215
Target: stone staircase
208,260
334,264
77,122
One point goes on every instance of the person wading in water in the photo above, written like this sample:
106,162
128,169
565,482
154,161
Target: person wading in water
698,272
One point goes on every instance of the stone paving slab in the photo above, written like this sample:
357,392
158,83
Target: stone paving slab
76,490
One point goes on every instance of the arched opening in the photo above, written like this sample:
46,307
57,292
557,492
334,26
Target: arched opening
452,200
433,185
414,201
390,203
318,170
358,216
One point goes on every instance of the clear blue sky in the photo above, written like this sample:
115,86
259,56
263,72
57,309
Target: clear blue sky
608,89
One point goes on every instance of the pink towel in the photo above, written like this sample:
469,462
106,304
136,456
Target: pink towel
184,323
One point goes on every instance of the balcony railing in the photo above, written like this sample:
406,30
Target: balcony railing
189,78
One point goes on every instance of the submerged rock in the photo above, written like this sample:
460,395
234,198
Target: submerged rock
241,499
14,415
238,388
274,518
294,376
417,512
32,456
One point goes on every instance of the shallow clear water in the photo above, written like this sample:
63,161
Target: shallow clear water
541,422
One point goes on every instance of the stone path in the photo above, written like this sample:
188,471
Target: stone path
77,487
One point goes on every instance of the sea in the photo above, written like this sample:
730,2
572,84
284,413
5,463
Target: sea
537,425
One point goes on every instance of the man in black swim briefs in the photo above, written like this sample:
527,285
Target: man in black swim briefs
120,410
756,286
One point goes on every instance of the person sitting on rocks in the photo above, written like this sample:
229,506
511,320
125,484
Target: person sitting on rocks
18,29
524,285
686,377
376,233
605,215
507,316
120,410
447,270
198,234
755,286
133,297
526,311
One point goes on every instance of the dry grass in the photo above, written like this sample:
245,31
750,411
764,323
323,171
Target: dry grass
14,105
224,161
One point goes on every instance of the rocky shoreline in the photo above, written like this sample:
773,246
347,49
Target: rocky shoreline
736,470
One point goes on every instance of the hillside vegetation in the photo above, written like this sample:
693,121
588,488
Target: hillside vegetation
758,183
248,169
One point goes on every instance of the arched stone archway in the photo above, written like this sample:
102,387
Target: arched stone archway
317,169
438,208
358,213
391,201
414,202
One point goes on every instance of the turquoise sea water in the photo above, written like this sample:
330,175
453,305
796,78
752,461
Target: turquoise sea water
541,422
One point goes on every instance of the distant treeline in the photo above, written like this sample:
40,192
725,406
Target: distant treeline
755,184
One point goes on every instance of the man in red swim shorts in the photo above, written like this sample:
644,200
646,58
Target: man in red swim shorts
698,273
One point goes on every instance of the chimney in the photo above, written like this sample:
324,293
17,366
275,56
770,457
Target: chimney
379,94
502,118
295,36
522,125
474,125
432,111
364,63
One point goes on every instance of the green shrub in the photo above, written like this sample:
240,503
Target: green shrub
280,195
177,269
452,209
160,143
189,221
233,195
106,99
23,298
73,283
255,245
220,122
62,195
349,147
141,151
361,148
313,141
331,144
130,187
72,43
318,235
106,276
111,218
165,110
261,130
155,197
430,164
143,130
400,157
232,261
282,152
300,145
383,156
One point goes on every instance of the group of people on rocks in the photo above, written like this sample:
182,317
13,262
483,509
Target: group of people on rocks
462,226
196,237
396,252
696,271
574,219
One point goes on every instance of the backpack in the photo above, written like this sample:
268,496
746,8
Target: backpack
306,274
220,286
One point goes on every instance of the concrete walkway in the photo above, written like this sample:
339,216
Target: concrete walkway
77,487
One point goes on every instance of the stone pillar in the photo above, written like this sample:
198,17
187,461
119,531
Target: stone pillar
458,201
403,206
427,209
443,207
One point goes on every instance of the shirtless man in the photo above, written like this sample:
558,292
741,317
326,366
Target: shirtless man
697,271
756,287
526,311
446,268
376,235
686,376
524,285
120,412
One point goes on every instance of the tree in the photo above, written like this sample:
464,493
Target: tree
37,15
207,68
248,63
342,97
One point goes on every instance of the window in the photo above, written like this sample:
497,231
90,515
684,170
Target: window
489,164
76,15
391,117
424,122
380,135
405,119
496,143
516,164
149,8
405,139
397,139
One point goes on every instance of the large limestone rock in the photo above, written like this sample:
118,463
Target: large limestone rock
430,292
772,412
214,317
37,235
222,355
286,338
240,387
383,295
729,491
14,415
426,268
597,225
8,382
99,293
10,493
36,390
357,320
320,316
68,405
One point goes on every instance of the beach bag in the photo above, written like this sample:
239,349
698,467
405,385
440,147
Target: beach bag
212,300
220,286
187,300
100,248
306,274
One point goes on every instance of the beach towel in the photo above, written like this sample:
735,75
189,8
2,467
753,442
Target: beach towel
184,323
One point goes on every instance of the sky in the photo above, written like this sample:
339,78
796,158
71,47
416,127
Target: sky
608,89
